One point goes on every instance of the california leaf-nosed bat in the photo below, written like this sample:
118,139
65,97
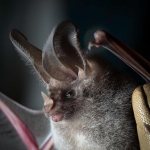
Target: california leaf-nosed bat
88,101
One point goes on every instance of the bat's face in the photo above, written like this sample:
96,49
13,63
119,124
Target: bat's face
67,98
64,101
67,72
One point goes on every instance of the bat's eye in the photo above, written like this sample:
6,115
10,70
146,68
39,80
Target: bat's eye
69,94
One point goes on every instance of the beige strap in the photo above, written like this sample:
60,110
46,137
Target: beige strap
141,108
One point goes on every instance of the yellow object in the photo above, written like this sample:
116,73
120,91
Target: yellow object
141,108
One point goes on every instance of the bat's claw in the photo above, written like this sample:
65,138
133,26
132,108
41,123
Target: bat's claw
99,39
93,44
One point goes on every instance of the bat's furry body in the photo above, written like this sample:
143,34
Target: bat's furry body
89,102
102,118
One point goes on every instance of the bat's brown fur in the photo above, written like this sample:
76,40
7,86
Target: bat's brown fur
99,116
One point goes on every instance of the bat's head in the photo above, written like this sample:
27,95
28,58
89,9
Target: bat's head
68,73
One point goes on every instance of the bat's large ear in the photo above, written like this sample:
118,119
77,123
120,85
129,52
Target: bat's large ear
33,54
62,56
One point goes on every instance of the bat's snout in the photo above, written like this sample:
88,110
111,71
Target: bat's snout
50,109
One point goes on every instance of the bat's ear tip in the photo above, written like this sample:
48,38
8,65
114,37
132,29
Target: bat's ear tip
15,34
14,30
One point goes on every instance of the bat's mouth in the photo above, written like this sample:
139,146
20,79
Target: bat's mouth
52,113
56,117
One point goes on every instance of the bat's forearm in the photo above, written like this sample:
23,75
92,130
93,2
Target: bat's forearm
134,60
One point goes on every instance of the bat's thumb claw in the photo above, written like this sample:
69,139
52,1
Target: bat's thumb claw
99,39
93,44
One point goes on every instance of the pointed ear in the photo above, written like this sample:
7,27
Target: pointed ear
62,51
33,54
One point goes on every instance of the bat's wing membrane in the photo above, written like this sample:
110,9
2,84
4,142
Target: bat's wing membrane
17,121
8,135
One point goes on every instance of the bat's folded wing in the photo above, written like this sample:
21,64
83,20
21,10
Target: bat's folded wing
130,57
22,126
141,107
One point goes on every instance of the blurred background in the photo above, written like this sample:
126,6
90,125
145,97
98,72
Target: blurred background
127,20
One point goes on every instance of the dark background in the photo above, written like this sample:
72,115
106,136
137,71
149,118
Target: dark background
127,20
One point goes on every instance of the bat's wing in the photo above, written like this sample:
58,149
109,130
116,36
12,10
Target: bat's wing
18,122
12,128
141,107
128,56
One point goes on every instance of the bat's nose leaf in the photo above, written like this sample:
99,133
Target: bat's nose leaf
48,102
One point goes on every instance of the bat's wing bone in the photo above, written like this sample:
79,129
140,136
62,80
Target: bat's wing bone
130,57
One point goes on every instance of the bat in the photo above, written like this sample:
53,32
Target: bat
88,103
